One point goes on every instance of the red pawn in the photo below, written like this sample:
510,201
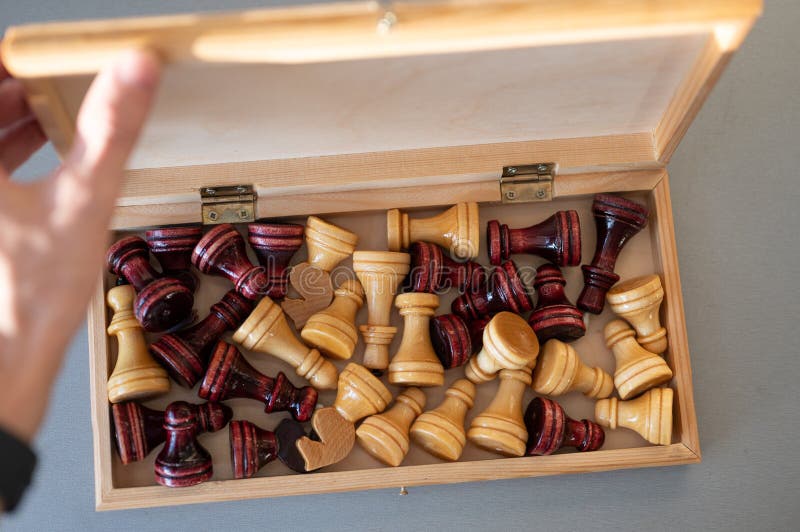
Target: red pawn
432,270
557,239
251,448
183,461
172,247
504,291
455,340
554,316
275,244
550,429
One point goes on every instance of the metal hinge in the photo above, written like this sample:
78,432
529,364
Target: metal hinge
527,182
236,204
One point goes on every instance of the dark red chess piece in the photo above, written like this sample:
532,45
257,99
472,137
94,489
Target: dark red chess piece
504,291
172,247
557,239
161,303
222,252
184,354
229,375
138,429
251,448
275,244
432,270
554,316
288,432
550,429
617,220
182,461
455,340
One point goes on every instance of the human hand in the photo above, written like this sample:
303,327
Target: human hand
53,232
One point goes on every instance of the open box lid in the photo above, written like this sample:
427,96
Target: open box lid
361,96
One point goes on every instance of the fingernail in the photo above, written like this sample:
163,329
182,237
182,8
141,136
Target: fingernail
140,68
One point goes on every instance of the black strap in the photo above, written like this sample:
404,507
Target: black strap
17,462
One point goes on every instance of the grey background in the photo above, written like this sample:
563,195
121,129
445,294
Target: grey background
735,194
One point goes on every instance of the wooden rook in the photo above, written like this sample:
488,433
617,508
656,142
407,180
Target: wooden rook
637,368
182,461
136,375
333,330
557,239
638,301
385,436
500,428
508,343
416,363
554,316
229,376
560,370
504,291
650,415
441,431
161,302
251,448
380,273
456,229
617,220
172,247
266,331
434,271
275,245
550,429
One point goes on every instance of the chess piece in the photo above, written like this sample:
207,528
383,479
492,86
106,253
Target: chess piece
500,428
229,375
161,302
456,229
441,431
266,331
251,448
385,436
333,330
554,316
184,354
182,461
136,375
416,363
638,301
274,245
550,429
380,273
172,247
650,415
138,429
508,343
557,239
315,290
560,370
222,252
617,220
288,432
637,368
433,271
503,291
451,340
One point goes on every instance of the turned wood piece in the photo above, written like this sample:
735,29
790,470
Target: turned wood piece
380,273
638,301
637,368
251,448
136,375
328,244
266,331
557,239
416,363
315,290
441,431
434,271
500,428
229,375
550,429
182,461
172,247
161,302
138,429
385,436
503,291
554,316
456,229
333,330
288,433
184,354
508,343
617,220
222,252
560,370
450,338
650,415
274,245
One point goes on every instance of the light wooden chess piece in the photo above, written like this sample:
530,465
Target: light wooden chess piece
136,375
385,436
500,428
649,414
456,229
441,431
560,370
508,343
416,363
333,330
266,331
380,273
637,368
638,301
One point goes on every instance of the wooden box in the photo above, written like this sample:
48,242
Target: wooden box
348,109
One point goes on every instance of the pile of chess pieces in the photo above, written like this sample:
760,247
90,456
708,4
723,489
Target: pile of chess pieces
493,331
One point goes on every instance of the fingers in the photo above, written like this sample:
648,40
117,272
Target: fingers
18,144
13,106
